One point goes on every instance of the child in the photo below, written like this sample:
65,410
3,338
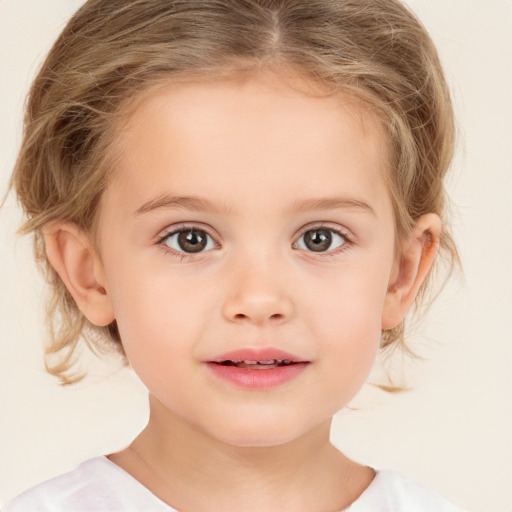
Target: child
245,198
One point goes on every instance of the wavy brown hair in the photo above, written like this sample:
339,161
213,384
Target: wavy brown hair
113,50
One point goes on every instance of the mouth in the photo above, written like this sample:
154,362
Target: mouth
266,364
257,368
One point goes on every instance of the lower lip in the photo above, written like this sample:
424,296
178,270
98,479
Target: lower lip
257,379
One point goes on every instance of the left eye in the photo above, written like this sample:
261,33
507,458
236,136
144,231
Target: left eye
189,241
320,240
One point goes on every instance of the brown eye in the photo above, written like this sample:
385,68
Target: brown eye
320,240
190,241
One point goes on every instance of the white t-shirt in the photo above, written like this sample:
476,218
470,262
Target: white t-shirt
99,485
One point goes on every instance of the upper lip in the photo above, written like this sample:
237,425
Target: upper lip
257,354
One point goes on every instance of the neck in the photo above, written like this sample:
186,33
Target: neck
190,470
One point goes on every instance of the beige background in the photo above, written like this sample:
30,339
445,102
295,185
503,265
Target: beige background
452,432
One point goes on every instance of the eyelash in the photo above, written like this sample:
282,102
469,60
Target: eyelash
182,255
348,242
344,234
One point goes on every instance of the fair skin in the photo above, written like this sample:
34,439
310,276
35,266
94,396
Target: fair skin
293,249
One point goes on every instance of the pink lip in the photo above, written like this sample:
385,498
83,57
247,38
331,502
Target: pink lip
257,378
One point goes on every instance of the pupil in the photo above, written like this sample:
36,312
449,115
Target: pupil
318,240
192,241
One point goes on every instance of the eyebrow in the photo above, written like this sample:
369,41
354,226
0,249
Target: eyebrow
180,203
332,203
204,205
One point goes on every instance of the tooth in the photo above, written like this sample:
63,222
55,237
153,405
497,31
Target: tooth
250,362
269,361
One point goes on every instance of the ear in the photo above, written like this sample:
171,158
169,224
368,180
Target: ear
70,252
418,253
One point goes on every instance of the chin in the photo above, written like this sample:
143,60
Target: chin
258,433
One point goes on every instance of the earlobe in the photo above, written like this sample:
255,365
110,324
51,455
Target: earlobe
419,251
71,254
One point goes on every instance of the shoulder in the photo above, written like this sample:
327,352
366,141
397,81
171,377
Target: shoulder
95,485
391,492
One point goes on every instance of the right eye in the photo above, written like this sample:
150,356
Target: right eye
189,241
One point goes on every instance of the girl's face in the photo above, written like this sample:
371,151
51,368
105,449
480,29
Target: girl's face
249,222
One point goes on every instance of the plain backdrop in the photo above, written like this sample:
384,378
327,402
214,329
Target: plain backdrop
453,431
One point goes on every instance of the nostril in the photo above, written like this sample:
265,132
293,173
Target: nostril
257,309
275,316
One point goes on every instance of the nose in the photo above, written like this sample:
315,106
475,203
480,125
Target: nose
258,295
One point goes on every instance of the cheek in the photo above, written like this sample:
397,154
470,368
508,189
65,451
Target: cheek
347,318
157,341
350,336
161,318
144,304
351,301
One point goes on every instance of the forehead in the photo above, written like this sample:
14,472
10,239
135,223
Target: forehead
228,135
